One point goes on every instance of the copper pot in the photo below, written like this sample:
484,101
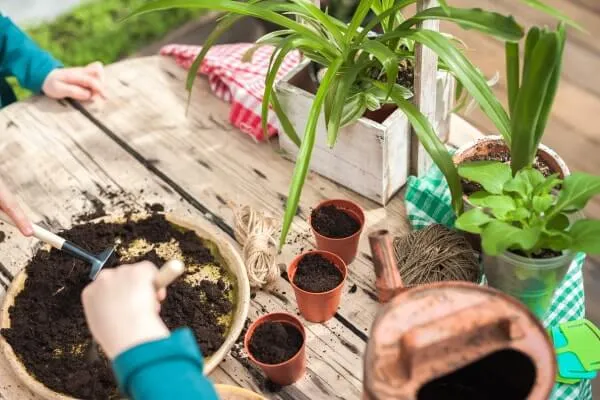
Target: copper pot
453,340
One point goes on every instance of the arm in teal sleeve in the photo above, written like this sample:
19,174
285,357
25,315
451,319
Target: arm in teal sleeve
22,58
170,368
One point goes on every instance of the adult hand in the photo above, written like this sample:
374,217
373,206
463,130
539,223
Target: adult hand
79,83
9,205
121,308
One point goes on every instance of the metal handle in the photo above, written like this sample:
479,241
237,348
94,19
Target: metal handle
42,234
168,273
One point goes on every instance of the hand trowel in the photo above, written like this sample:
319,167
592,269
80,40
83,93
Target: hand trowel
97,262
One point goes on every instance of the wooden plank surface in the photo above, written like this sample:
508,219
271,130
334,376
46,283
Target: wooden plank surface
58,159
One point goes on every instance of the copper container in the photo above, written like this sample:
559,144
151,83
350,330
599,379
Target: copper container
454,340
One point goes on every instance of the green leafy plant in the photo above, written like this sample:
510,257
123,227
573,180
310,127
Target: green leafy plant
528,213
350,54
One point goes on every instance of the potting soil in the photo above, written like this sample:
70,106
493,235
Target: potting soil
316,274
275,342
48,329
333,222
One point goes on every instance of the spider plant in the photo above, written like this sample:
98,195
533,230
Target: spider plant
350,53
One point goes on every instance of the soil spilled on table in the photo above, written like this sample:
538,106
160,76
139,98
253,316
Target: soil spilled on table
275,342
502,155
48,329
316,274
333,222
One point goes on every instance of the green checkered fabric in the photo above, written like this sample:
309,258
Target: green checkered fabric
427,201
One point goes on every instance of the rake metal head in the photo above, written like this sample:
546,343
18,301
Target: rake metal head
99,262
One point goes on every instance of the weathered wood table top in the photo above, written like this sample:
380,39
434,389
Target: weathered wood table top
60,159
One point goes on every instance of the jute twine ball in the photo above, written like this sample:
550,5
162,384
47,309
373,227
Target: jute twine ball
435,254
256,234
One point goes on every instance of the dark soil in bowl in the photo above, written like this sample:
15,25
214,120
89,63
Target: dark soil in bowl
316,274
333,222
502,156
275,342
48,329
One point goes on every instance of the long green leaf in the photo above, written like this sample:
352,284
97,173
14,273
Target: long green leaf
465,72
357,19
541,6
529,105
339,97
432,144
490,23
287,126
388,59
267,12
548,100
305,153
381,17
323,19
512,74
533,36
276,60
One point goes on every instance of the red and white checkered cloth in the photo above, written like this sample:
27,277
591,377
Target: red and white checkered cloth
240,83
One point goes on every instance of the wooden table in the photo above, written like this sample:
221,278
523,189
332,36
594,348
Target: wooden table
60,157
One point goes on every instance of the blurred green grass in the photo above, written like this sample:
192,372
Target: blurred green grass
94,31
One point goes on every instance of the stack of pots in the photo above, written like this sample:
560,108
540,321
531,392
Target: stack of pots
315,307
532,281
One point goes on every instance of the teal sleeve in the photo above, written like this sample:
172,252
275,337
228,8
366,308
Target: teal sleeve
22,58
170,368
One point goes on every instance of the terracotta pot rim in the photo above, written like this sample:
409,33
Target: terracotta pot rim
498,138
297,259
361,218
564,168
263,320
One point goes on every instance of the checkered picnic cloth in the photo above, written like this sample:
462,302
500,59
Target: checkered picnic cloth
427,201
240,83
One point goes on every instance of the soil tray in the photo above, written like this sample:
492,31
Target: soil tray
44,335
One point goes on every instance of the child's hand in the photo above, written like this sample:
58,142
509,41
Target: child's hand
79,83
9,205
121,308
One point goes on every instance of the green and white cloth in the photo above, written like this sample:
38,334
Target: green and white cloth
427,201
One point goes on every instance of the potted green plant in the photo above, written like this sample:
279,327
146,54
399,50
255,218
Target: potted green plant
531,227
350,54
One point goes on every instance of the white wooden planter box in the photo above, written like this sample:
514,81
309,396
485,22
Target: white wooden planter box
370,158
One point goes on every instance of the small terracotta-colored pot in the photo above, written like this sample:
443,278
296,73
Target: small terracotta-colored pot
346,247
318,307
289,371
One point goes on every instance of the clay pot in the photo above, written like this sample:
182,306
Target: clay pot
318,307
289,371
346,247
452,340
455,340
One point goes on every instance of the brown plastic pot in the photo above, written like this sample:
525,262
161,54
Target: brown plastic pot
346,247
289,371
318,307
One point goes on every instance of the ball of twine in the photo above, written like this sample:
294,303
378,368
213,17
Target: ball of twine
256,233
435,254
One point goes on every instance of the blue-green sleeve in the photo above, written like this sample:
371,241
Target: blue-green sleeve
169,368
22,58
